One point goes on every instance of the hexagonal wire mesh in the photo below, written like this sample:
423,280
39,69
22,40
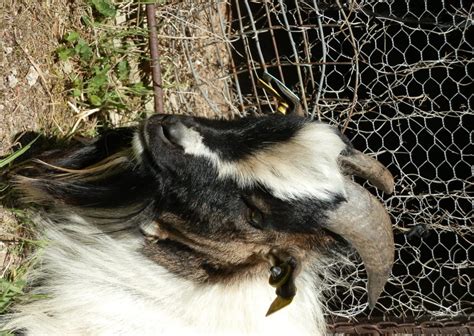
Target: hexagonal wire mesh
396,77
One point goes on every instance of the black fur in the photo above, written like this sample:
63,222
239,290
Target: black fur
181,192
236,139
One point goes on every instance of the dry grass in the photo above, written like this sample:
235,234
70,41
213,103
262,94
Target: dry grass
67,69
30,92
32,97
196,54
36,95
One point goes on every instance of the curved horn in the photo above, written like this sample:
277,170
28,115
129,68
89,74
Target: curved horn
359,164
363,221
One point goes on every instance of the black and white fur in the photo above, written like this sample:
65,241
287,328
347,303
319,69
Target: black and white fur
163,230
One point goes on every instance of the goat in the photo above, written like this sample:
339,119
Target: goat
175,227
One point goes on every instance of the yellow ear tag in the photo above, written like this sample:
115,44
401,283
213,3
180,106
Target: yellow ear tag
267,86
287,99
281,279
282,107
278,304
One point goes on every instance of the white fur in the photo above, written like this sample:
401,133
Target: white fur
97,285
137,147
309,167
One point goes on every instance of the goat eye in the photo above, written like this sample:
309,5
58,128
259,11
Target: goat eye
256,218
254,215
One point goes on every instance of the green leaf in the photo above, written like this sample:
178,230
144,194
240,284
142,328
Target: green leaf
12,287
65,53
72,37
97,82
103,69
105,7
123,70
76,92
95,100
113,97
88,22
78,84
139,88
18,153
83,50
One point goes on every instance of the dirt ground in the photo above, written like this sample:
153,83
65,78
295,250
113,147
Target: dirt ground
31,90
33,93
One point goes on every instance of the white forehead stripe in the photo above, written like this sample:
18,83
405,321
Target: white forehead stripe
303,166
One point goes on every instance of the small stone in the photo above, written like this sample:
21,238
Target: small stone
8,50
67,67
114,118
119,19
32,76
12,80
150,106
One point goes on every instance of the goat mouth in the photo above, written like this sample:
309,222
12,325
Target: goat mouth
144,132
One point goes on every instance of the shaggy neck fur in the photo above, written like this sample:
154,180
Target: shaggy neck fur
200,267
118,292
211,213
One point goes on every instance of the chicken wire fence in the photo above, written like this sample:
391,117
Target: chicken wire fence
396,77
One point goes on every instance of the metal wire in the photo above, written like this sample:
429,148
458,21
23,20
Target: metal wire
397,77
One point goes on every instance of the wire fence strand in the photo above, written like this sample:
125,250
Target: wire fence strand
397,77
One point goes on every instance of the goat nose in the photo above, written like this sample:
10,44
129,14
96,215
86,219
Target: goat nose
172,130
169,129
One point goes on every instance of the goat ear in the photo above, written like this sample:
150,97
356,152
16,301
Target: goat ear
285,268
288,101
92,151
73,154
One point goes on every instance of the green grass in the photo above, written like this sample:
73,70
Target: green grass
12,287
13,282
12,157
102,62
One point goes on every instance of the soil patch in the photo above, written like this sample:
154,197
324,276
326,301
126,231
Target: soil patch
32,93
